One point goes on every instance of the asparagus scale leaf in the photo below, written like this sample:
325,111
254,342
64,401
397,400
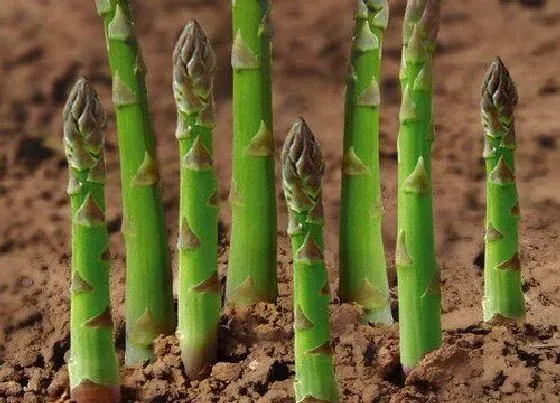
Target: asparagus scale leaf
503,295
363,271
302,171
417,272
199,287
252,259
93,365
149,299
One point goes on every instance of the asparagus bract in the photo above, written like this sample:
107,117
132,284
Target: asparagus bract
199,293
417,272
252,259
363,272
93,365
149,298
503,296
302,171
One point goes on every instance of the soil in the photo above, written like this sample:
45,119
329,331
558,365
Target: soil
45,45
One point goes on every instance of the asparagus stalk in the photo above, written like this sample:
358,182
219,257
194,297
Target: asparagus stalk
199,293
252,260
94,373
149,299
363,271
417,273
503,296
302,171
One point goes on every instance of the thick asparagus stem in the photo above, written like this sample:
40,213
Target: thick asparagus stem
363,271
149,299
417,272
199,287
503,296
302,171
93,366
252,260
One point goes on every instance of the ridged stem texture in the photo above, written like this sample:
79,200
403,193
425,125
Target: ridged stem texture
93,365
417,272
363,271
503,296
199,285
252,258
149,299
302,171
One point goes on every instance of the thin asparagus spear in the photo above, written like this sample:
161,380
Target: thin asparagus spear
302,171
417,272
503,296
252,260
199,294
149,299
363,271
93,366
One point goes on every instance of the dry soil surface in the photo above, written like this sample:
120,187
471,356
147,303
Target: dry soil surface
45,45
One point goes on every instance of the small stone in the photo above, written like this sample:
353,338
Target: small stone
10,388
34,382
226,371
59,384
7,373
160,370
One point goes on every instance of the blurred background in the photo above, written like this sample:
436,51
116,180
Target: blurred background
46,45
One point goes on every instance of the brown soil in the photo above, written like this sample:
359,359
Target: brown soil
45,45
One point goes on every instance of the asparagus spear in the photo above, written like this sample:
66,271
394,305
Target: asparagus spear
418,275
503,296
363,272
94,373
149,299
302,171
199,295
252,260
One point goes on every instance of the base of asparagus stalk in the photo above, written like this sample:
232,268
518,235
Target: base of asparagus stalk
91,392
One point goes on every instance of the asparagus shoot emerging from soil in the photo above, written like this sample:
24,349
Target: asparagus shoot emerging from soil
503,296
302,171
93,366
417,272
149,299
252,259
363,272
199,292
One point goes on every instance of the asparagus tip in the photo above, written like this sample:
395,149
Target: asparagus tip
84,121
302,168
499,98
431,19
194,63
427,13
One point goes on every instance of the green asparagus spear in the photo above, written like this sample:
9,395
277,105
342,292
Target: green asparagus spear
302,171
503,296
363,271
417,272
199,287
93,366
252,260
149,299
